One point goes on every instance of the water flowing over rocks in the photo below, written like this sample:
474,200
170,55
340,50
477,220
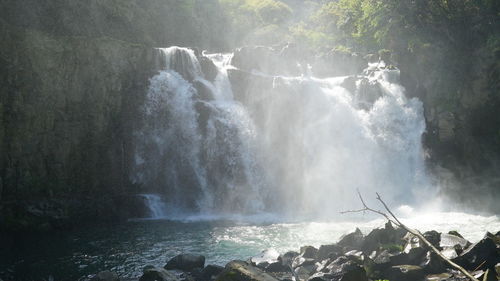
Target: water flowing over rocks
228,132
384,258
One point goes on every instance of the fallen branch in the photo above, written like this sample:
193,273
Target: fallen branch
393,219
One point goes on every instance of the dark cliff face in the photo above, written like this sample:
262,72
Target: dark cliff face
460,90
73,75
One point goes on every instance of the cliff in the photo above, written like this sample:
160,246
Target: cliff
72,78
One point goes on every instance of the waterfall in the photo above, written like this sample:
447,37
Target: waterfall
290,145
155,204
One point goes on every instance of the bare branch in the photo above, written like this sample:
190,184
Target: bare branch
397,222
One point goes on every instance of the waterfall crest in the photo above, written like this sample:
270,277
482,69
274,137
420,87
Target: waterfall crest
241,142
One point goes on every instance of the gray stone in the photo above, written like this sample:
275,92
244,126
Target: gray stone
106,276
158,274
186,262
242,271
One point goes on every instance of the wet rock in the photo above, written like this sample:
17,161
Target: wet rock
106,276
404,272
387,237
158,274
203,91
210,272
484,253
328,251
321,276
352,241
348,271
433,237
455,233
186,262
277,267
301,261
355,255
305,271
204,110
208,68
287,258
261,265
433,263
308,252
242,271
368,93
322,266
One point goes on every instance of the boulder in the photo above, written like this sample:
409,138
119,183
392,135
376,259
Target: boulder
208,68
106,276
387,237
433,264
287,258
348,271
433,237
328,251
308,252
186,262
404,273
300,261
157,274
210,272
483,253
352,241
242,271
277,267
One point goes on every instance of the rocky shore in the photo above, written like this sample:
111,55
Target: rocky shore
387,253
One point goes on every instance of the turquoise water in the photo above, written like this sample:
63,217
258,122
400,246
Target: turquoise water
127,247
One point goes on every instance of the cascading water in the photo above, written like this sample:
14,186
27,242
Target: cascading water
289,145
156,206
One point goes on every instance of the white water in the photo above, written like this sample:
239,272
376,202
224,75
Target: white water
295,146
156,205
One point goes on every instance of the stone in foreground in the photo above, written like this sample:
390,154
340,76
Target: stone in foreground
157,274
242,271
106,276
186,262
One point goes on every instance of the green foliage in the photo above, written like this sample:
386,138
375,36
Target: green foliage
392,248
253,21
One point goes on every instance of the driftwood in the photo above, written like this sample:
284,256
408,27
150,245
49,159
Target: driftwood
393,219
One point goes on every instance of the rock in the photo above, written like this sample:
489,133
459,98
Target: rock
368,93
300,261
277,267
208,68
287,258
261,265
404,273
305,271
484,253
242,271
455,233
106,276
186,262
203,90
157,274
352,241
433,263
387,237
433,237
210,272
348,271
320,276
308,252
328,251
